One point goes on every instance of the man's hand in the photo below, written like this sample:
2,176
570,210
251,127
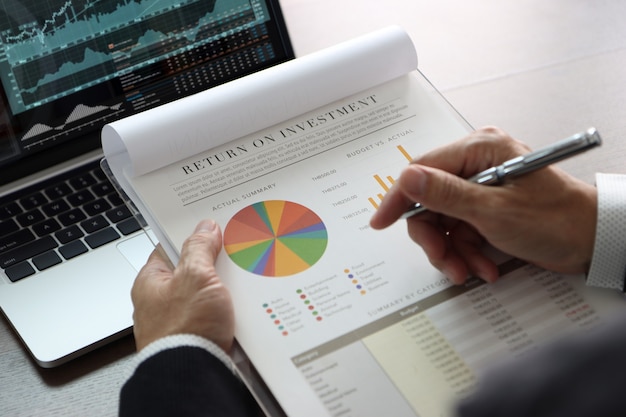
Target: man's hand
187,299
547,217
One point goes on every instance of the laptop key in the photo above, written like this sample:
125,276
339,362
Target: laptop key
100,175
56,207
30,218
46,260
58,190
81,181
72,217
96,207
68,234
73,249
10,210
115,200
46,227
128,226
27,251
15,239
80,198
94,224
102,189
33,200
118,214
102,237
8,226
19,271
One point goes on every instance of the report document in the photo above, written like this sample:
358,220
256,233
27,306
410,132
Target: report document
291,162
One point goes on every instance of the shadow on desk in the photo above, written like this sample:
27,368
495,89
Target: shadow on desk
87,385
97,359
14,354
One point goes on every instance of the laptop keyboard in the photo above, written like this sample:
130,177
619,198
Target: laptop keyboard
65,217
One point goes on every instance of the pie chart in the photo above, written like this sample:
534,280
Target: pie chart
275,238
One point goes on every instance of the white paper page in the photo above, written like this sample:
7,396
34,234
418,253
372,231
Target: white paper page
324,165
160,136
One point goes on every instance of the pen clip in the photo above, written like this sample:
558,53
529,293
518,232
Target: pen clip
556,152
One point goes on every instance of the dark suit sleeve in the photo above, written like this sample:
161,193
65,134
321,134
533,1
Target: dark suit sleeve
185,381
576,377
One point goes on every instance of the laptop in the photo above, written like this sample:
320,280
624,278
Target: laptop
69,247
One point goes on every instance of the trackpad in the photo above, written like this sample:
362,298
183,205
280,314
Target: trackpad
136,250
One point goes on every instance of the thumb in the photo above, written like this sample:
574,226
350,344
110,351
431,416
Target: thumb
203,245
440,191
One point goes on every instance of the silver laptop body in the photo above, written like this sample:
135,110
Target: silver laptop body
69,247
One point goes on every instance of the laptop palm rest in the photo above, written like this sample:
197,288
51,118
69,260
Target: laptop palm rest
86,309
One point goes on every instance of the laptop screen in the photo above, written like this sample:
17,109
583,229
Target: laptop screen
68,67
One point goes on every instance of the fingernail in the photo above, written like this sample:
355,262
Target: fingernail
452,276
207,225
487,277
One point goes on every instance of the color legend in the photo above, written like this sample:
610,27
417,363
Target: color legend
308,305
275,238
355,281
275,319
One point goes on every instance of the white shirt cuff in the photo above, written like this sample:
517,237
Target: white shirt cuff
608,264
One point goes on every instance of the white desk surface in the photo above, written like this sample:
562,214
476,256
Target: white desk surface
542,70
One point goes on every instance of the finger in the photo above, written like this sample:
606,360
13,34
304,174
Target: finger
445,193
469,245
156,264
438,248
200,250
205,242
436,190
482,149
390,209
166,260
151,275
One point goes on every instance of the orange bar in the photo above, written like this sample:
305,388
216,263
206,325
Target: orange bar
371,200
405,153
381,182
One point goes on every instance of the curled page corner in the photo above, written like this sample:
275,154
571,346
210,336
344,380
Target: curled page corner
180,129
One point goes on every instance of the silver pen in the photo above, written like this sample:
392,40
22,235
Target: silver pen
532,161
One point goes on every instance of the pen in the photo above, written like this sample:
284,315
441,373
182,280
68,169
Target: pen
532,161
